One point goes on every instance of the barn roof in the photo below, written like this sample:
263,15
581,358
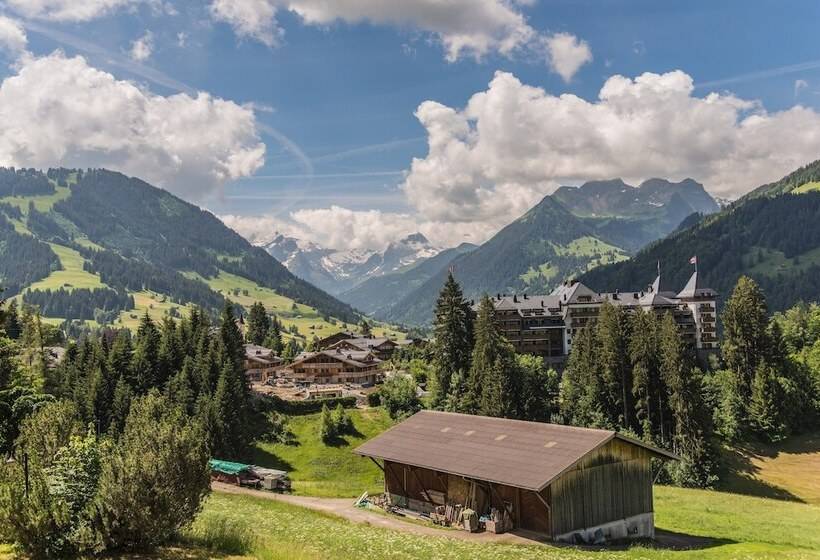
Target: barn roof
527,455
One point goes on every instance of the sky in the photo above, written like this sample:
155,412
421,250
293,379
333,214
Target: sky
353,123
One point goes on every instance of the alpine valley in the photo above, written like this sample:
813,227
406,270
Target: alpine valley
568,233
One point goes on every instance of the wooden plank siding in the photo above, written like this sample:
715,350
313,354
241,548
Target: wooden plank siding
613,482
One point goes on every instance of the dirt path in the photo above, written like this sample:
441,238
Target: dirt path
343,507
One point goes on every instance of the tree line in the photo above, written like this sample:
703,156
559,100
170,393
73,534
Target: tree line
98,304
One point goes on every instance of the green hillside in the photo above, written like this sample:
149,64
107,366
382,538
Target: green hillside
101,247
532,254
772,235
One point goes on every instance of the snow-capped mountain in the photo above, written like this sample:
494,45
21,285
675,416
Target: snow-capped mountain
337,271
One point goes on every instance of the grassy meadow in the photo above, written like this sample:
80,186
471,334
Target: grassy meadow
323,470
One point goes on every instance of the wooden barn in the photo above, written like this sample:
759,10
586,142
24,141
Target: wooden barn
570,484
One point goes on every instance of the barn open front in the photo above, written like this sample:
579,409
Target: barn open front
564,483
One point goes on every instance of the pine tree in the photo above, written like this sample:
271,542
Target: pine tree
11,321
691,425
647,389
233,409
259,324
273,339
327,428
765,404
580,399
452,338
745,333
120,405
611,332
492,386
145,365
231,336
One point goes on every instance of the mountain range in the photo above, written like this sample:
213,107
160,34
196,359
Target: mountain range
100,246
772,234
337,271
569,232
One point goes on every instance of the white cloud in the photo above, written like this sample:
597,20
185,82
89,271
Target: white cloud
465,28
73,10
142,48
567,54
182,39
254,19
85,117
12,36
800,85
514,143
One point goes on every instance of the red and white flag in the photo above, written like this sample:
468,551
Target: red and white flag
693,260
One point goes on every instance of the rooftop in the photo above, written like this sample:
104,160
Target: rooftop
526,455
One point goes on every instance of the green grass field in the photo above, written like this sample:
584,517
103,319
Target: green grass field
317,469
71,276
307,319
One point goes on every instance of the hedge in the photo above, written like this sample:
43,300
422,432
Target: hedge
296,408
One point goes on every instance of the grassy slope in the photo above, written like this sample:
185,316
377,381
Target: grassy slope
317,469
789,470
741,527
808,187
307,319
71,276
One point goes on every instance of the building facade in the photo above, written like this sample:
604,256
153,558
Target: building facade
545,325
334,367
260,363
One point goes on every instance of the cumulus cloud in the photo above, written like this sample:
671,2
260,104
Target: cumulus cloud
567,54
85,117
465,28
142,48
73,10
254,19
514,143
13,38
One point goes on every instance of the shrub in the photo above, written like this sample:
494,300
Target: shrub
374,399
342,421
156,479
399,396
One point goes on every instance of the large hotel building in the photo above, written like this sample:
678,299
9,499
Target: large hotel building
545,324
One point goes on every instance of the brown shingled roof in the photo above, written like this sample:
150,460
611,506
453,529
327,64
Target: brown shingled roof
526,455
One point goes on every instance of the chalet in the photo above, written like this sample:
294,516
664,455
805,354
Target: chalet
382,348
566,483
260,363
333,367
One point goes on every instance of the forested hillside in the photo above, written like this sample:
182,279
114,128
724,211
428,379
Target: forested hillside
81,244
771,235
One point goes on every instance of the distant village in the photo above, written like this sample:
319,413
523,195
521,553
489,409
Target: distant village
351,364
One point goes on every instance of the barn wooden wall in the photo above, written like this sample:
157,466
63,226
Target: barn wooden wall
411,482
612,483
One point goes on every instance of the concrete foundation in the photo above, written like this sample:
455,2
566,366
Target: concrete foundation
635,527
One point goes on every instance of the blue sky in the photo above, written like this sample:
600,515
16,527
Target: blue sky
333,101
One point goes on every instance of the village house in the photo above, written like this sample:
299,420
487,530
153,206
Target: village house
568,484
545,325
260,363
336,366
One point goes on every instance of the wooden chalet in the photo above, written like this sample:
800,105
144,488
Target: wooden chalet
334,367
569,484
260,363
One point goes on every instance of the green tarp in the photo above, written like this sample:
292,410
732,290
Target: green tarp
227,467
